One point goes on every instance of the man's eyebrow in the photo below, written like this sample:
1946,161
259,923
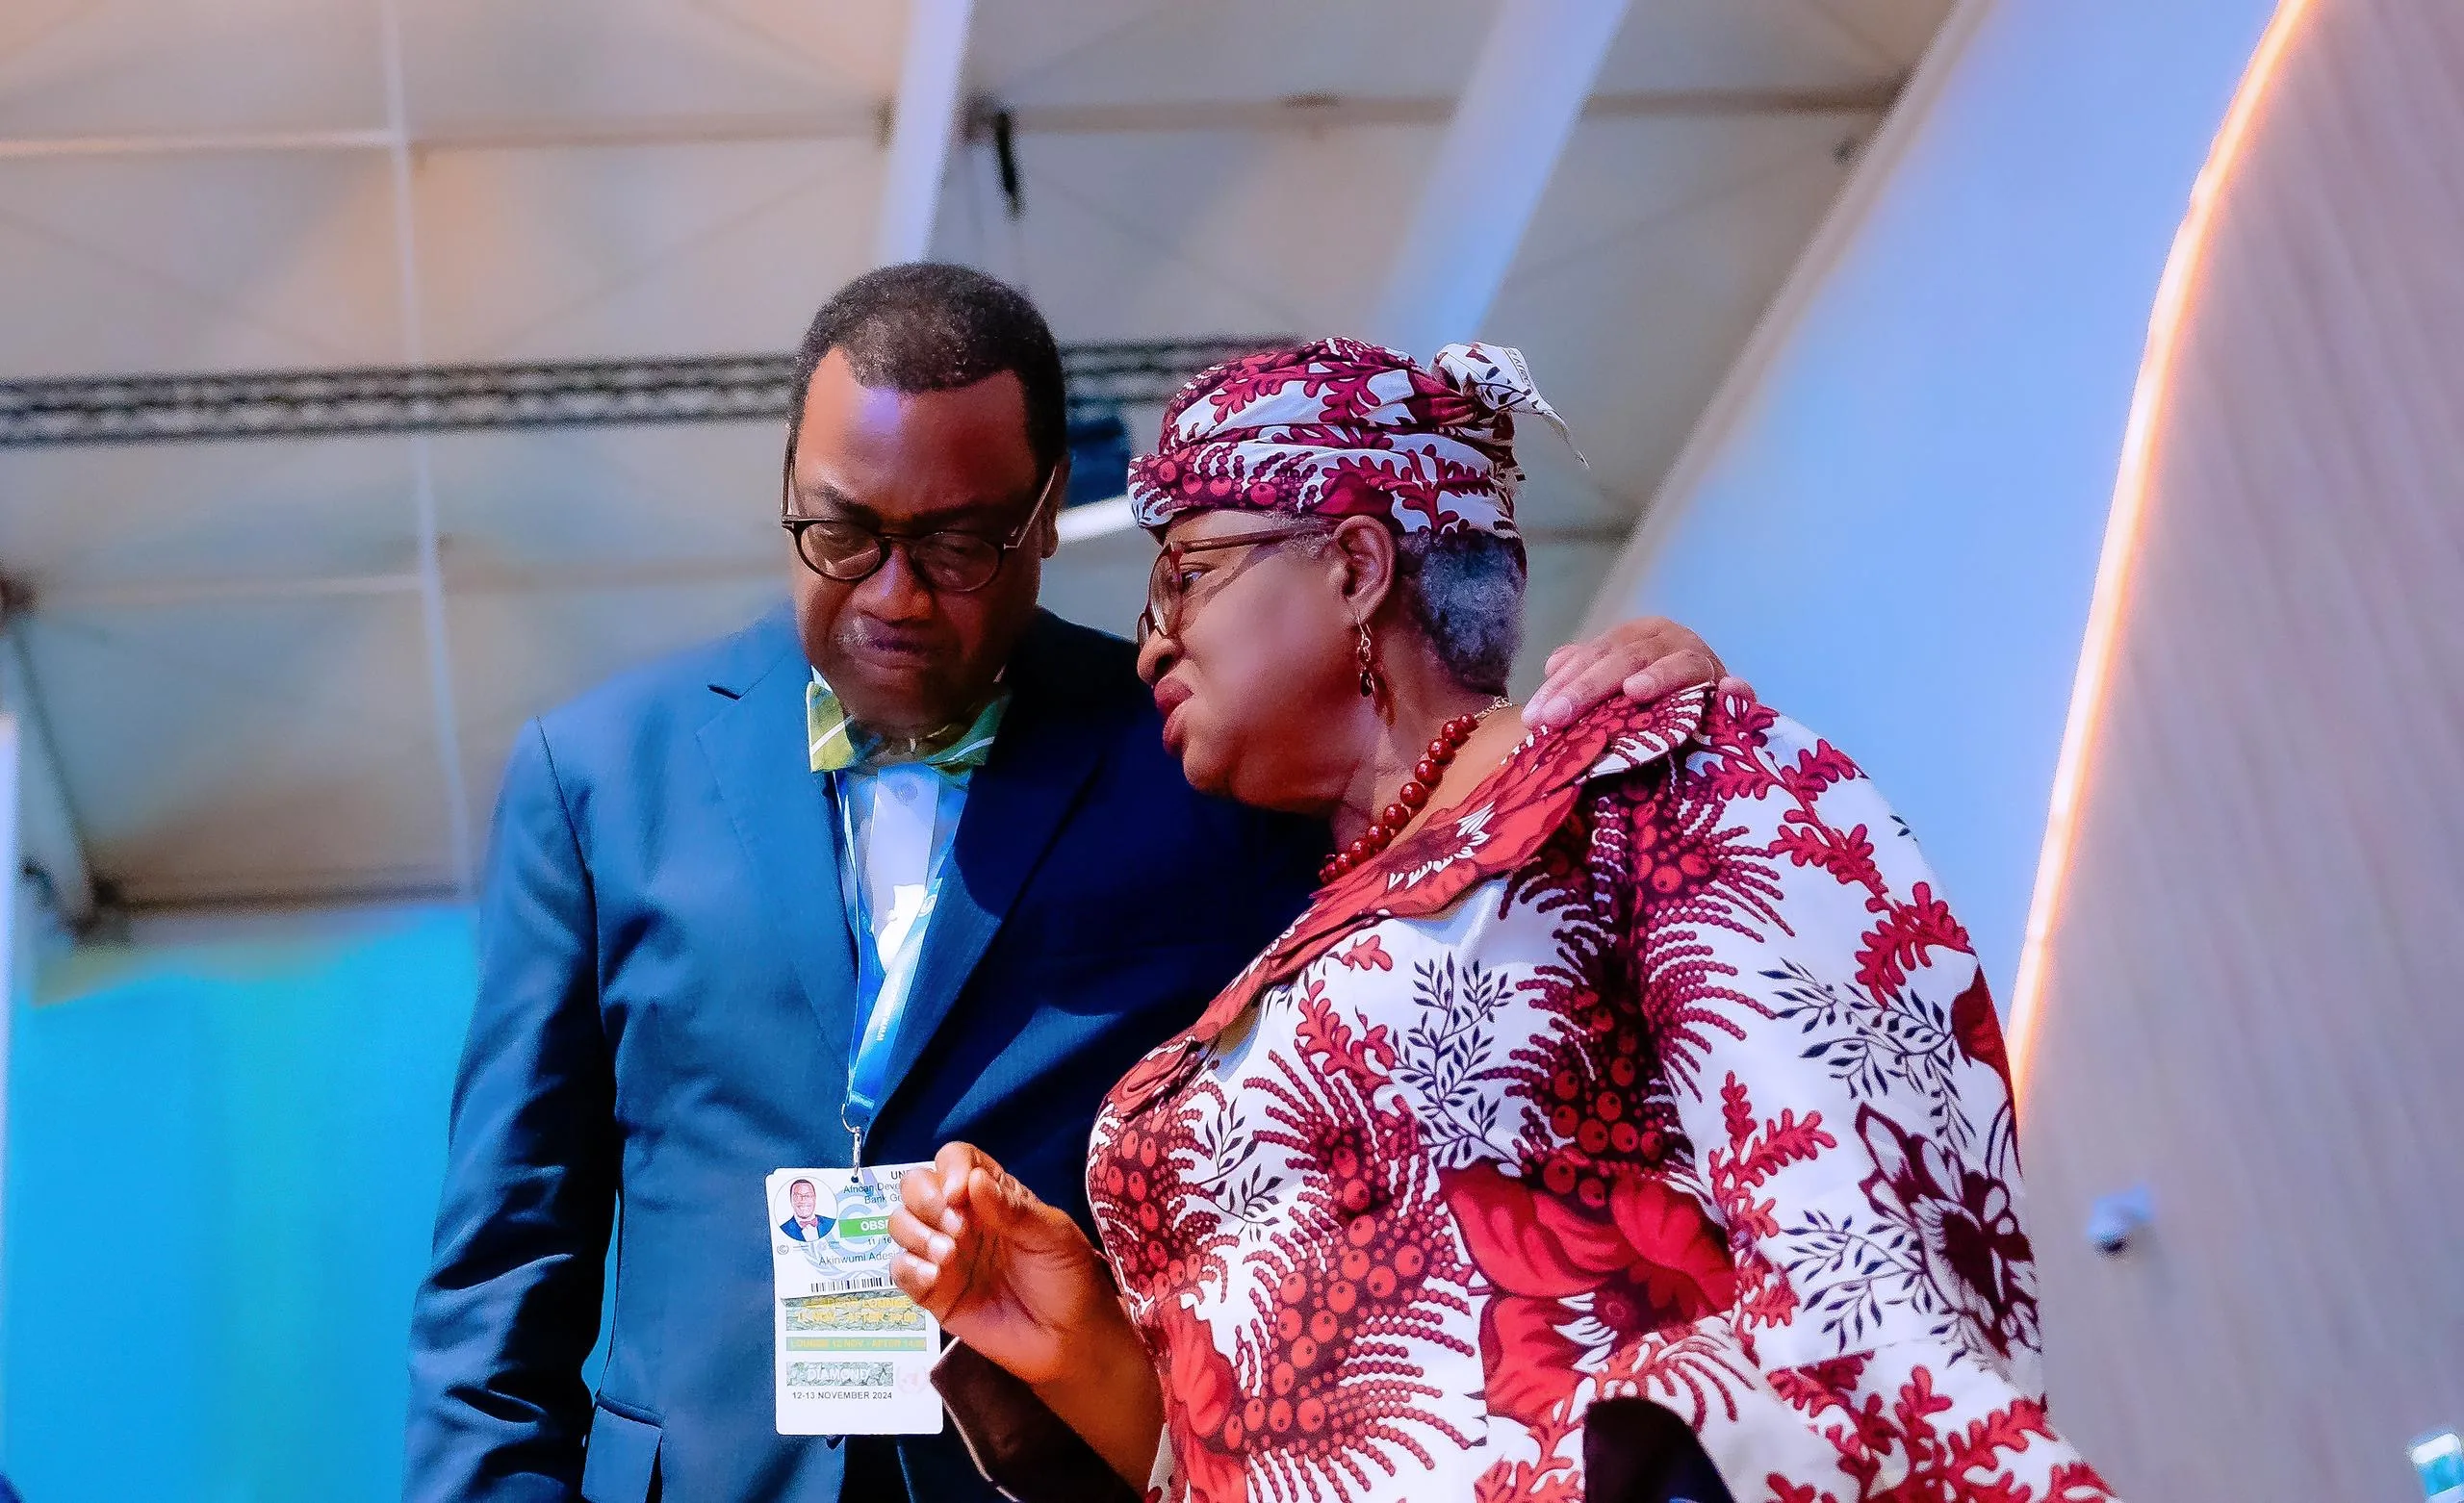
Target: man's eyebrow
824,494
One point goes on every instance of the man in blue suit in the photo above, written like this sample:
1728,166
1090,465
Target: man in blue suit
803,1207
902,864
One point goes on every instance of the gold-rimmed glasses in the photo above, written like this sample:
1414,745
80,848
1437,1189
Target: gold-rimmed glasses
1169,587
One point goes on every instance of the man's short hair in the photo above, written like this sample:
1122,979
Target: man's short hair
806,1184
927,326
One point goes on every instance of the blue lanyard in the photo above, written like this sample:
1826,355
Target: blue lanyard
868,1047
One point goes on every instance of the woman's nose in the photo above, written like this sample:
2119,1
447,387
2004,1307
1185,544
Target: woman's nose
1156,654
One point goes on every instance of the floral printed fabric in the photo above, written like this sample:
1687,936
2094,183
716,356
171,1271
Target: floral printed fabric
1658,1070
1341,428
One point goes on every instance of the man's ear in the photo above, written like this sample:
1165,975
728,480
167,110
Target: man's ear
1365,550
1056,497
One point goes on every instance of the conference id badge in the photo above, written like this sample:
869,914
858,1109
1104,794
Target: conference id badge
854,1355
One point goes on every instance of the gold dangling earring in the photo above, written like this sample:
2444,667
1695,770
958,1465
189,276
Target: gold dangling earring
1373,688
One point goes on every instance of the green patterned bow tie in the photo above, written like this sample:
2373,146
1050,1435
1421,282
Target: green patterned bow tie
839,745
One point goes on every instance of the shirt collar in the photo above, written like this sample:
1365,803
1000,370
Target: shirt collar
834,742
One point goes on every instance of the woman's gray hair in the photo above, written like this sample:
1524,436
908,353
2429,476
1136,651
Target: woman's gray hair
1465,591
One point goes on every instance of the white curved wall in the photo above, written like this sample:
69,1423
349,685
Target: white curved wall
2245,994
1890,518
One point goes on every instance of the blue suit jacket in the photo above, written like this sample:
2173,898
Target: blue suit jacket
665,1003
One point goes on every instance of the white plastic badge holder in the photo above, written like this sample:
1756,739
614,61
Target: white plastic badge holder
854,1355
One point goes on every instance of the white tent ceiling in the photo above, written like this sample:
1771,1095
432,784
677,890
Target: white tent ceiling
249,693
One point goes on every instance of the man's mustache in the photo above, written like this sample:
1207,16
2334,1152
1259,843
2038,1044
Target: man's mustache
868,637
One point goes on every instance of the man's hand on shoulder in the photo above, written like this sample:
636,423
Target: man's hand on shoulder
1641,659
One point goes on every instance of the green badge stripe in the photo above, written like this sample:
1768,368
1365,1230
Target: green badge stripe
855,1343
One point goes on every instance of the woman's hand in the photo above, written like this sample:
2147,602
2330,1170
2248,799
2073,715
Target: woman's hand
1001,1270
1018,1282
1641,659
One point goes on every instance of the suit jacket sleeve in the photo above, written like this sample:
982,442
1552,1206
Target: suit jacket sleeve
1018,1445
510,1308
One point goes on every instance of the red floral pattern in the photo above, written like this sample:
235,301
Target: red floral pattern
1657,1068
1340,428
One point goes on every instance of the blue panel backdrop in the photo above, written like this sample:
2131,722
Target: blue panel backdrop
224,1149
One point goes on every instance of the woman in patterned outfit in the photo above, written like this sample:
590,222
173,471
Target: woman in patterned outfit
1622,1072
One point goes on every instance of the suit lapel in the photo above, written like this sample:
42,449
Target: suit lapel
781,810
1015,804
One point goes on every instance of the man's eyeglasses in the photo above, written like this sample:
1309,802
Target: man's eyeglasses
951,560
1168,587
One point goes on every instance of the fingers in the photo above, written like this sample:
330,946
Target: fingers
1678,671
938,1240
913,1234
921,1281
1550,704
929,1223
920,1193
1599,673
917,1267
933,1194
955,1213
996,1202
954,1161
1641,659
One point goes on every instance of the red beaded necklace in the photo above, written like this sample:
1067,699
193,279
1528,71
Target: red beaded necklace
1412,796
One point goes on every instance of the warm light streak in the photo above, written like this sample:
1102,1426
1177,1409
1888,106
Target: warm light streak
2108,606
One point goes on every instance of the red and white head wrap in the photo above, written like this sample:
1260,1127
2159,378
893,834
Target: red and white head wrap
1339,428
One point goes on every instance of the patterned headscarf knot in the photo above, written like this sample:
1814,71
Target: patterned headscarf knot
1339,428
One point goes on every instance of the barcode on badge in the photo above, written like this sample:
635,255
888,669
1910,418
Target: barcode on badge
862,1284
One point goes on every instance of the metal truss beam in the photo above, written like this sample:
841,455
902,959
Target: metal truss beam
294,404
1298,112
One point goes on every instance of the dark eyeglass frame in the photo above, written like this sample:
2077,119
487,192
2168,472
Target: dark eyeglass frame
931,572
1168,602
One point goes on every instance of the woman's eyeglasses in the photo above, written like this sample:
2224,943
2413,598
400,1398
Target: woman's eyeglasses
951,560
1167,588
